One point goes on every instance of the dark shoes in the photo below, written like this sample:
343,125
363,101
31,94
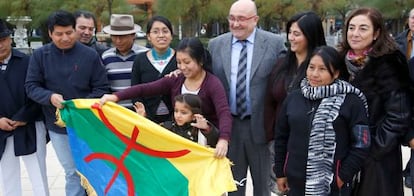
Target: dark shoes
408,182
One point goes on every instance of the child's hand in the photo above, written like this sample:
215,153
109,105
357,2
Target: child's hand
140,108
201,122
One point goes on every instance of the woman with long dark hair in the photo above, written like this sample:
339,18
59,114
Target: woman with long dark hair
194,62
380,71
305,33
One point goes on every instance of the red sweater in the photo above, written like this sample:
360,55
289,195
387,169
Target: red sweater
214,106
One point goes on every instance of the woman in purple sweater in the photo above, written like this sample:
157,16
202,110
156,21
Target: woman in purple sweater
194,62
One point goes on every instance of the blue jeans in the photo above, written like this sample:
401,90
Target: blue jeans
60,143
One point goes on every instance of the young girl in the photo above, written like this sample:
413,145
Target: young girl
321,136
188,121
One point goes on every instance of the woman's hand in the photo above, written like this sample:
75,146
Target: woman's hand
282,185
221,148
108,97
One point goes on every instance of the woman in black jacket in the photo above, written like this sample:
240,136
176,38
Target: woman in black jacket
322,135
380,71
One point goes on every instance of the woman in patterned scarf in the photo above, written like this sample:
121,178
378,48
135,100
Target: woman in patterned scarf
380,71
322,135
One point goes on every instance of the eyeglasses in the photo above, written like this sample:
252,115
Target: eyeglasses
159,32
239,19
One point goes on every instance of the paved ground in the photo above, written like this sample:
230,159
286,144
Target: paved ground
57,180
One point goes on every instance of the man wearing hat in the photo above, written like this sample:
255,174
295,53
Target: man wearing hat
22,131
119,59
61,70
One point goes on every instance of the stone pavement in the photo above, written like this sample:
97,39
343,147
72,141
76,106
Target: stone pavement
56,176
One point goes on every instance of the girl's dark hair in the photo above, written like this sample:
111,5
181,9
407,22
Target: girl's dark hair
161,19
191,100
60,18
311,26
196,50
384,44
332,61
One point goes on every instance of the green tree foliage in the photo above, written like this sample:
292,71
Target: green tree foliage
390,9
40,9
274,12
204,10
193,13
15,8
339,8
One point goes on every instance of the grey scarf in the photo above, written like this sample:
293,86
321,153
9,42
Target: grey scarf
322,142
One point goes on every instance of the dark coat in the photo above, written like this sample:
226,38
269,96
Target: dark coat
276,92
100,48
15,105
189,132
143,72
292,140
384,81
401,40
410,134
74,73
411,68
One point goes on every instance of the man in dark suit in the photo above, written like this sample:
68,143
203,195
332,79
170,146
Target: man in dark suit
22,131
248,146
405,39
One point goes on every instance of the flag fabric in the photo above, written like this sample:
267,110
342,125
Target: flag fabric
122,153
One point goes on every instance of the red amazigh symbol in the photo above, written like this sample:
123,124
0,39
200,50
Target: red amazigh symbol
130,145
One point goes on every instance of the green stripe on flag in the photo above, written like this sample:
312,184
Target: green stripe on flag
151,175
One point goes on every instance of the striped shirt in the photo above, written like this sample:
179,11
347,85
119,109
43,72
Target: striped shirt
119,68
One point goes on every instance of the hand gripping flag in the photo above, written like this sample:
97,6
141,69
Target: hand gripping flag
122,153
